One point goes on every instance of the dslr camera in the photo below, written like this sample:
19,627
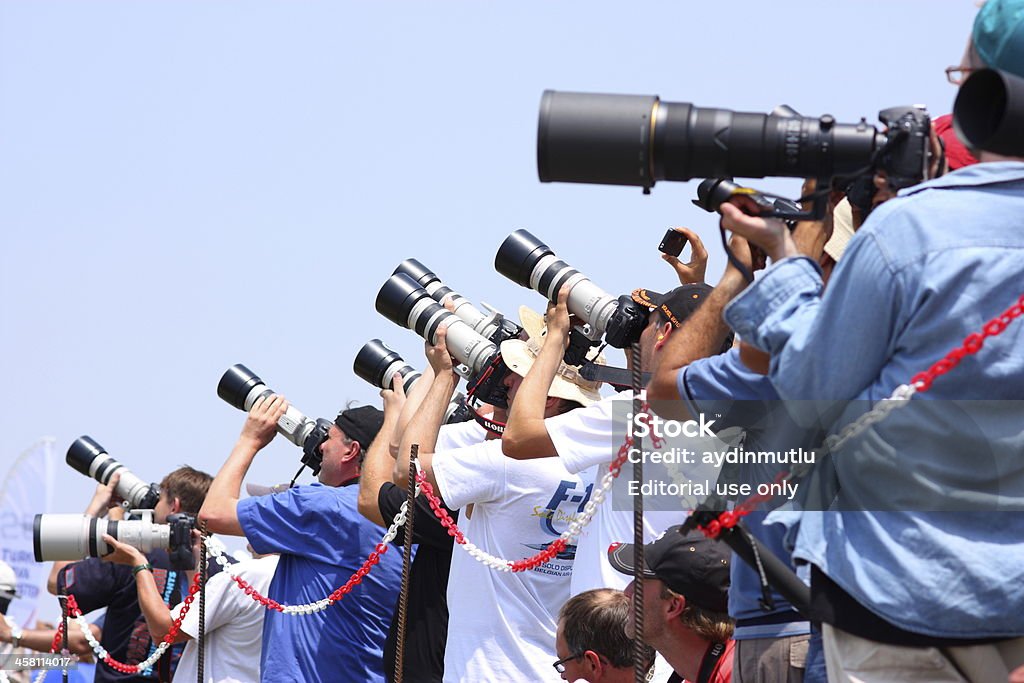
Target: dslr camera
59,537
638,140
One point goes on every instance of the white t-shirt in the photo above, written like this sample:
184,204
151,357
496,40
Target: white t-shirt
459,435
234,626
501,625
583,439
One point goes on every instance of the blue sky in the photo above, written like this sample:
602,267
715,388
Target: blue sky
188,185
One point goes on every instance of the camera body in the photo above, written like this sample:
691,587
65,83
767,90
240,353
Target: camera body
241,387
88,457
61,537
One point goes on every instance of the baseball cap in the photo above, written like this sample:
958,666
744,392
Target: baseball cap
519,355
676,305
692,565
360,424
999,35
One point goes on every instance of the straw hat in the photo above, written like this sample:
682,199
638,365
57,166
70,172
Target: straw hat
519,356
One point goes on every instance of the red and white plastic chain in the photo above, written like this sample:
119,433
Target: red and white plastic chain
102,655
560,543
921,382
216,551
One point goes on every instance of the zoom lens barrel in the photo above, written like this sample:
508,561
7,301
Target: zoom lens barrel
404,302
527,261
377,364
638,140
60,537
989,112
241,387
88,457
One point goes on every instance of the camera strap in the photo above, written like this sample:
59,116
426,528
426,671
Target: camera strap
617,377
487,423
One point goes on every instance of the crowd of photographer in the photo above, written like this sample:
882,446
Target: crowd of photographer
901,559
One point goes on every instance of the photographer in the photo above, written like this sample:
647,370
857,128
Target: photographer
96,583
323,540
233,625
584,439
926,269
380,500
502,625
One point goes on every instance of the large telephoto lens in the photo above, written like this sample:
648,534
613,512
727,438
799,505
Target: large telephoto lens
639,139
241,387
377,364
59,537
989,112
493,325
404,302
88,457
527,261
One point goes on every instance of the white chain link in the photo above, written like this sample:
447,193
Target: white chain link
102,654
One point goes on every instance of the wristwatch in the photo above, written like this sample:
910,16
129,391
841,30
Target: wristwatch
16,634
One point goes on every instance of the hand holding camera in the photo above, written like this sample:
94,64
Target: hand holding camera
261,426
693,271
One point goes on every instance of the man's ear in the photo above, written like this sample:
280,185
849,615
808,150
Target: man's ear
176,506
674,606
592,660
353,452
664,332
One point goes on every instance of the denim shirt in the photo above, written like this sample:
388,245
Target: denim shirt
928,268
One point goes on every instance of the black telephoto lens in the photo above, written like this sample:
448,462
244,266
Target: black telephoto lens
377,364
637,140
235,385
989,112
82,453
518,255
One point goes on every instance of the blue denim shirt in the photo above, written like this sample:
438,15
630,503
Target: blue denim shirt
712,385
927,269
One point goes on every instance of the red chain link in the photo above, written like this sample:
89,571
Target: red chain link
922,381
557,545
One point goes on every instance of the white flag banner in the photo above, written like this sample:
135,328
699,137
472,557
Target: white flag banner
26,487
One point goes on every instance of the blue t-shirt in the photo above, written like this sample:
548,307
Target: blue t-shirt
323,540
714,385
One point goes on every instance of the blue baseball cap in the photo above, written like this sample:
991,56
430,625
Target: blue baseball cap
999,35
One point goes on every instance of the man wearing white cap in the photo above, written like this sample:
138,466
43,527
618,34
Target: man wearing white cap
502,624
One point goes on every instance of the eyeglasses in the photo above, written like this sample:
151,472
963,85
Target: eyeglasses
958,74
560,664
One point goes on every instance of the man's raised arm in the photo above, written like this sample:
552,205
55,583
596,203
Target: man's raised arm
220,509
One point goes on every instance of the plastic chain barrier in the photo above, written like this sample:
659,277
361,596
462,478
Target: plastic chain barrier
920,383
216,551
556,546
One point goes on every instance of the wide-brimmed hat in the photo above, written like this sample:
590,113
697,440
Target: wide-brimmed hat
519,355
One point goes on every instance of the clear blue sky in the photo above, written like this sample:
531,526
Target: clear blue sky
188,185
